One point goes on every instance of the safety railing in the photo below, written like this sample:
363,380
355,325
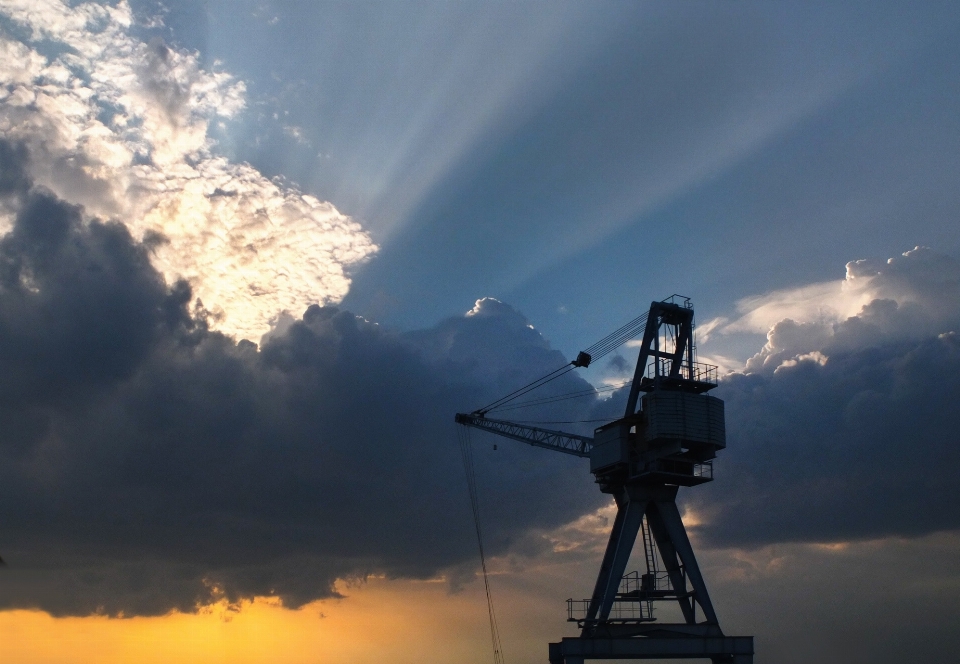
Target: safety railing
636,584
681,300
621,611
695,371
702,470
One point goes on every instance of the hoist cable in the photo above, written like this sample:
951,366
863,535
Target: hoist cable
603,347
563,397
529,387
617,338
636,322
466,450
606,419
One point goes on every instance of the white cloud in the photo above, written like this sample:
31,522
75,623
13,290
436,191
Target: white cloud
120,126
911,296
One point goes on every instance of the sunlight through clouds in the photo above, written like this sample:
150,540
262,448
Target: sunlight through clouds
120,126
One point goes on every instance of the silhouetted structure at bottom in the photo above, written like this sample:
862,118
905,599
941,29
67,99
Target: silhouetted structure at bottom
666,439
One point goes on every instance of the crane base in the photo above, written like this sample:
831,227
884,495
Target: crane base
719,649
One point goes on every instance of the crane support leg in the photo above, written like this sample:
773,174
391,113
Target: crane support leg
669,517
630,512
670,561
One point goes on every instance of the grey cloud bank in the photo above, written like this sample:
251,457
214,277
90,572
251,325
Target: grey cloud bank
848,428
149,463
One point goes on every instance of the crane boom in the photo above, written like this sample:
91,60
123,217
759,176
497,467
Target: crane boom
552,440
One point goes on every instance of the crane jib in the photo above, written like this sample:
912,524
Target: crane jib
567,443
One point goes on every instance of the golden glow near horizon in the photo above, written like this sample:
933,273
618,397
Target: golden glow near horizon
422,622
378,620
402,621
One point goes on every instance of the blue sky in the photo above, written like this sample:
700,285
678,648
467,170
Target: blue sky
589,158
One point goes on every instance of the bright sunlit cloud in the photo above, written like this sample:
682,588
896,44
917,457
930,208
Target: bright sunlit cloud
905,297
121,127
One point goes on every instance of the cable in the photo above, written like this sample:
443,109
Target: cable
526,388
466,450
603,347
618,337
530,389
607,419
563,397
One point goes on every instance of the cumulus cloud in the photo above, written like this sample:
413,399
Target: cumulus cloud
120,126
911,296
845,426
149,463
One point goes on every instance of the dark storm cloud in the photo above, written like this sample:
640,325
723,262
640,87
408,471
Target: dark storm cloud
854,432
863,446
147,463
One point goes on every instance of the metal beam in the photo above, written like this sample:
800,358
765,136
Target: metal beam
568,443
668,554
673,524
735,649
662,313
649,335
622,538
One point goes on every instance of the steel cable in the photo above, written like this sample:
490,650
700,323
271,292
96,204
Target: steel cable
603,347
562,397
466,450
519,392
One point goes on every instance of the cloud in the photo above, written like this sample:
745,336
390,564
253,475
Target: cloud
845,427
120,126
911,296
149,463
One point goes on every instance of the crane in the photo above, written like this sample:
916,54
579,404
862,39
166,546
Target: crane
670,432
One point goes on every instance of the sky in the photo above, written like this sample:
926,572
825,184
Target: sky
254,256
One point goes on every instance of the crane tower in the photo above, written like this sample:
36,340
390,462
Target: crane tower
667,438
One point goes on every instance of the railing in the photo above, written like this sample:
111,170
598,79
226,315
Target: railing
682,300
621,611
635,598
699,469
695,371
635,583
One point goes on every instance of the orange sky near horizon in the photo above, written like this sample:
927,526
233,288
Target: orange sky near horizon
398,620
368,625
766,592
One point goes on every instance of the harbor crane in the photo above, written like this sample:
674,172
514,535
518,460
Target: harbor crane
670,432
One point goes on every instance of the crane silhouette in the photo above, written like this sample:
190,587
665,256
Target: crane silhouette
670,432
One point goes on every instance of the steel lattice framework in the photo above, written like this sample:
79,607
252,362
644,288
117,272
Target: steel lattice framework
552,440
